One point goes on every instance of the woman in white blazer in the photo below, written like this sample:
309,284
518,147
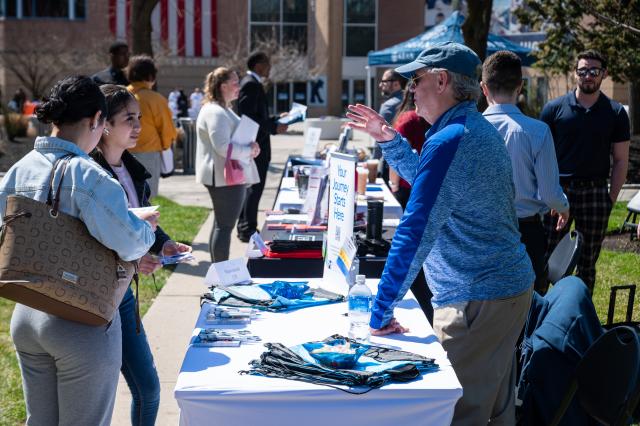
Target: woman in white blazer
215,125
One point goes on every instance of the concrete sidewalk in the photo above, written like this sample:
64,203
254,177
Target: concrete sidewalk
170,320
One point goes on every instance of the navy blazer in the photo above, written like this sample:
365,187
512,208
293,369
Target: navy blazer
252,101
560,328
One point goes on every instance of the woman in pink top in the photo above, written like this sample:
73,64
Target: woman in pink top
121,132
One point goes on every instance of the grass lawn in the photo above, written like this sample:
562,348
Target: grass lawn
616,268
181,223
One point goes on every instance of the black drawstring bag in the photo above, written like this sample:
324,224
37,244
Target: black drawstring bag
282,362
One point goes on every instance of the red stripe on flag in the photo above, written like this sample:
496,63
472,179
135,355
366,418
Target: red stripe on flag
214,28
127,22
164,20
112,16
181,19
197,28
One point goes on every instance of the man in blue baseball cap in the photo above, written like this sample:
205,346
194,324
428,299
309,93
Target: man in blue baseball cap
460,226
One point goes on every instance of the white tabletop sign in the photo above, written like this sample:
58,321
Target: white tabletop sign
311,139
229,272
342,170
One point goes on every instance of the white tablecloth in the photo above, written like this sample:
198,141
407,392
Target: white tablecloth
210,391
288,198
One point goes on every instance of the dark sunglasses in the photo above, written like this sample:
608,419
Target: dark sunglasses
593,72
413,81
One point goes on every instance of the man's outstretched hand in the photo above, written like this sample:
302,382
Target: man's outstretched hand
370,122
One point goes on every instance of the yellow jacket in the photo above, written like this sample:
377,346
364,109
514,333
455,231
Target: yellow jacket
158,131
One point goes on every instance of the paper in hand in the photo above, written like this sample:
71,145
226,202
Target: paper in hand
246,132
148,209
177,258
297,113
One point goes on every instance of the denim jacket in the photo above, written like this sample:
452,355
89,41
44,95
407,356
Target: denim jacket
88,192
139,176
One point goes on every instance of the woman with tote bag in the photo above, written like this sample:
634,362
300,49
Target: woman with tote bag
223,167
69,369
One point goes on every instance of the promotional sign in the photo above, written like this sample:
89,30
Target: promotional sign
315,193
311,139
342,169
256,247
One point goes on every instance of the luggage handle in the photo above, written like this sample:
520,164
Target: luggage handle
612,301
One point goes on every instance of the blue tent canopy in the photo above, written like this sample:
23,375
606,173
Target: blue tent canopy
449,30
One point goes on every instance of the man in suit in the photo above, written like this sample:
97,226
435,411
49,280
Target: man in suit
119,57
252,102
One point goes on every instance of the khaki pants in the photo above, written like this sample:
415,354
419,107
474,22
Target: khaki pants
480,339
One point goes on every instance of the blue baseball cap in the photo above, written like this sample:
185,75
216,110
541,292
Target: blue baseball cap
450,55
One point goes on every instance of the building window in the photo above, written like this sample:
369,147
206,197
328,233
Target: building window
28,9
281,95
359,27
282,21
354,91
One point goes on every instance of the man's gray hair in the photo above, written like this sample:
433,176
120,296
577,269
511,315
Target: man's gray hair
464,88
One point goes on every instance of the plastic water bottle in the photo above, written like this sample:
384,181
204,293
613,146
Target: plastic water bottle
360,310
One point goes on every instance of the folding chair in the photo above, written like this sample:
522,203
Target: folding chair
633,207
606,378
564,258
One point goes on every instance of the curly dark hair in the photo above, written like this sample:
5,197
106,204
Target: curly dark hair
71,100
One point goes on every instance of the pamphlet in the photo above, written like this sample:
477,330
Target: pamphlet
246,132
148,209
177,258
297,113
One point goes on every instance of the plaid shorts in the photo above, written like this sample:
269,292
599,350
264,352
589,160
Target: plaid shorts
590,207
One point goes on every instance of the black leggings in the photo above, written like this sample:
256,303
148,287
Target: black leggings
227,203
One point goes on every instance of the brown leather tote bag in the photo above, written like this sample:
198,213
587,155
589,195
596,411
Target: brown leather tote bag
50,262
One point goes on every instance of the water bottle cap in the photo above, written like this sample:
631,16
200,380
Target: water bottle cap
360,279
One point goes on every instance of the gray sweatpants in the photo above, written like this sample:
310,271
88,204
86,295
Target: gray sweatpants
227,204
152,162
69,370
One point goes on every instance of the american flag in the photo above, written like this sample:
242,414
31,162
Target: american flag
185,27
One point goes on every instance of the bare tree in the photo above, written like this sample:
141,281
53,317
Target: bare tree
42,58
290,61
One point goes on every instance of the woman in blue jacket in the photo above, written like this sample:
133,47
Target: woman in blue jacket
70,370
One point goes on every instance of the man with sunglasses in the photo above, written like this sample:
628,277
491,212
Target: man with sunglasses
391,87
588,128
460,226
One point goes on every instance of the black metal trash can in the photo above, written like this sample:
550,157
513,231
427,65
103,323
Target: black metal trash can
189,145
